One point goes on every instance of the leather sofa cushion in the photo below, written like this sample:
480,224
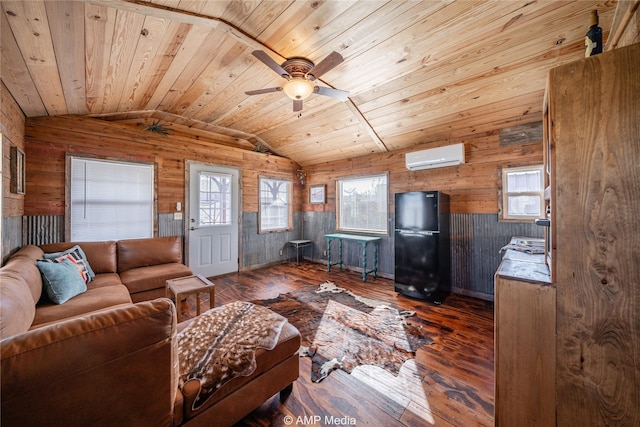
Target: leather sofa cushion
288,344
94,299
101,256
153,277
134,253
105,279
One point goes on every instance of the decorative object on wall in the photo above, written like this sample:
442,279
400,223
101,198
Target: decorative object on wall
157,128
259,148
317,194
17,171
521,134
301,176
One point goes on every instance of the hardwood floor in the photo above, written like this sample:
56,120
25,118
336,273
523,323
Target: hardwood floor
450,382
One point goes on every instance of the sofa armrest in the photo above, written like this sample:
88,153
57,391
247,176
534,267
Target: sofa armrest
115,367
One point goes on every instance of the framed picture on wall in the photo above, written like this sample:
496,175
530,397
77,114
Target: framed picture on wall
317,193
17,170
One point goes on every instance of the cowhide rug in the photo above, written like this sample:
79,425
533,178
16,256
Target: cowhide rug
341,330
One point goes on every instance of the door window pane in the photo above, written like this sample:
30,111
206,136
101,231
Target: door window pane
215,199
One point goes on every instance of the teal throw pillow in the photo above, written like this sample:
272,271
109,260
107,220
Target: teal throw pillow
62,280
78,254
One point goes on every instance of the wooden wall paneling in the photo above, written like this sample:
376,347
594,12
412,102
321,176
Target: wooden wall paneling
50,138
473,186
12,129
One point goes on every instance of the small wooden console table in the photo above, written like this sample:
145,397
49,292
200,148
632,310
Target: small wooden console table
184,286
363,240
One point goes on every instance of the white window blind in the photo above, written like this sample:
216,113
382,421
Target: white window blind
110,200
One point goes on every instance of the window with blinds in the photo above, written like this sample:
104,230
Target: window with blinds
110,200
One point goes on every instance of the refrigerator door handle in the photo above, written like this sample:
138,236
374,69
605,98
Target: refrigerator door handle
421,232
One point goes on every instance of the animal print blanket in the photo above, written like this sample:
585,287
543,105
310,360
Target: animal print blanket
220,344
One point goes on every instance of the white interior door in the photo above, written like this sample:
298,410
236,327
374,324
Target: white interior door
212,225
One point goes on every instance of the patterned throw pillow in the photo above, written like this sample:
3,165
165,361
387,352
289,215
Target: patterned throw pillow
78,263
78,257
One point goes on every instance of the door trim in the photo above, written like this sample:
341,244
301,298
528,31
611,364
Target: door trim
187,206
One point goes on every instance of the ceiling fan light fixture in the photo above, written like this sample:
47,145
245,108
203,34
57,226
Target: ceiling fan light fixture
298,88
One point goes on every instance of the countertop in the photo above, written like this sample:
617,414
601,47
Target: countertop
530,267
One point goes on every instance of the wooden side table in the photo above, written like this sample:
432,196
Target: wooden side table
182,287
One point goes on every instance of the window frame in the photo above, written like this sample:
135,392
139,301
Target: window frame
289,226
340,227
68,182
504,199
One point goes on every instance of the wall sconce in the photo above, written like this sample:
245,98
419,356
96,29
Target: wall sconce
301,176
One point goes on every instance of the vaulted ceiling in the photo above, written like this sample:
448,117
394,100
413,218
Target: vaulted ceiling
416,72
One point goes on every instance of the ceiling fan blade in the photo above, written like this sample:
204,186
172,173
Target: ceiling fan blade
261,91
342,95
334,59
297,105
269,62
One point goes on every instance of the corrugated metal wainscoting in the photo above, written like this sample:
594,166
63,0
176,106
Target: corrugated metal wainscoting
43,229
476,240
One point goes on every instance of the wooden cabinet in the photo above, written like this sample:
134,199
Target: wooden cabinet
524,342
594,128
592,132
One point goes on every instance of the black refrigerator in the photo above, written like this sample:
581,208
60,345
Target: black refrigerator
422,248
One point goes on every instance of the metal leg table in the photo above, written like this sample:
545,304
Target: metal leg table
300,244
363,241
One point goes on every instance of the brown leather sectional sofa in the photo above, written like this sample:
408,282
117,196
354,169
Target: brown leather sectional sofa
109,355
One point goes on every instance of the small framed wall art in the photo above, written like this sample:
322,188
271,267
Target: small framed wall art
317,193
17,170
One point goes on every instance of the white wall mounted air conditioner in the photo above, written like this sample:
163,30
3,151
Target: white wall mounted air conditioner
449,155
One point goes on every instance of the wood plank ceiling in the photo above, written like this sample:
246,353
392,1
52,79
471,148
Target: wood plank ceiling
417,72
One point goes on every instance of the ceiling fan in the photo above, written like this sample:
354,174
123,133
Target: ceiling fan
301,74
